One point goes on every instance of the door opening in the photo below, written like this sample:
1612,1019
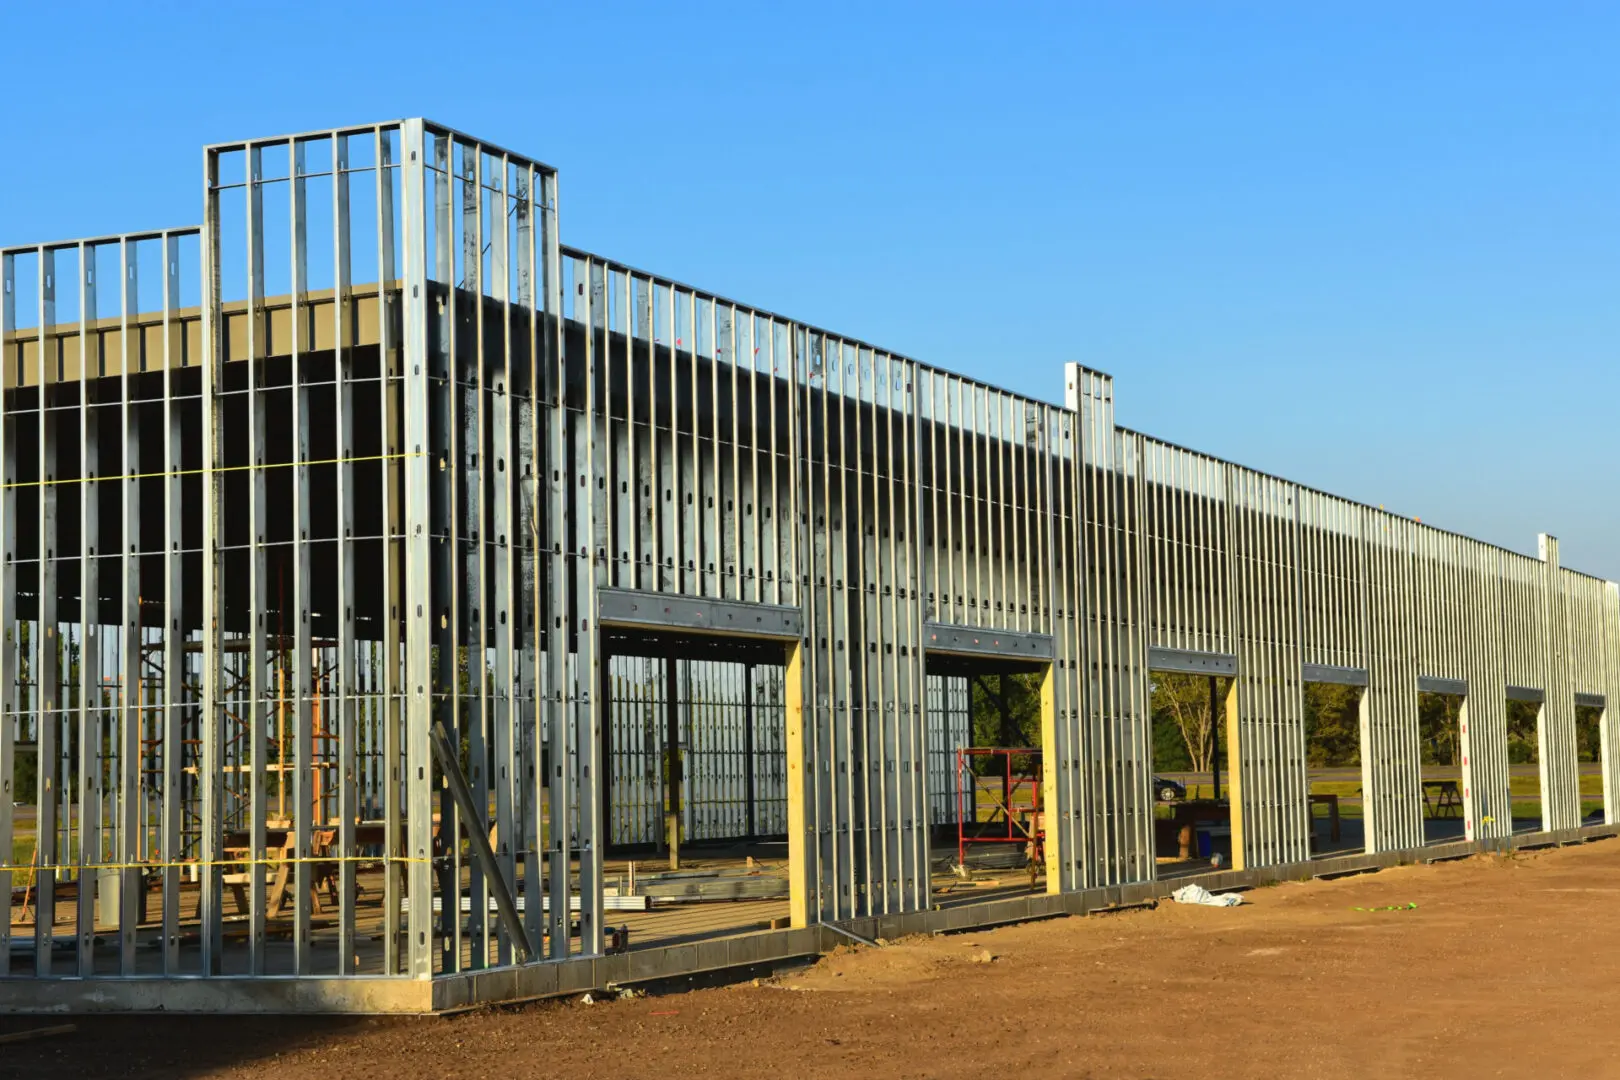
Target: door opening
696,785
989,838
1524,763
1333,759
1589,752
1440,720
1195,772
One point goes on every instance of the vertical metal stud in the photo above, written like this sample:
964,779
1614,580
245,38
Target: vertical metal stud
345,699
305,806
131,802
175,628
11,383
47,664
91,716
258,712
394,684
417,554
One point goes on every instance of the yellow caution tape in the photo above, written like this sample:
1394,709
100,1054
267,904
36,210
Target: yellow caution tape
203,472
34,868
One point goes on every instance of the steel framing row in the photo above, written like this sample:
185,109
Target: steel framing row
363,466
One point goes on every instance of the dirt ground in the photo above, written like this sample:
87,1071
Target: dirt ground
1505,967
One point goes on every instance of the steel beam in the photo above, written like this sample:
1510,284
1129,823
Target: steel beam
1192,662
1333,673
1434,684
662,611
995,644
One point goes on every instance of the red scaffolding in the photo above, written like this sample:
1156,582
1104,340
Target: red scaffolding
1010,820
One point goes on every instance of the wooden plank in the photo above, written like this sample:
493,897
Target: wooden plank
38,1033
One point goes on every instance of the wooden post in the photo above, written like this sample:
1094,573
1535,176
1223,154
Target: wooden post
798,791
1051,846
1234,772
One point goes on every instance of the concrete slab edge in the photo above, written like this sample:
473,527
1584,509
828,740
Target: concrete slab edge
381,995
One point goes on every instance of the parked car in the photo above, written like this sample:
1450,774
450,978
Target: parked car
1166,790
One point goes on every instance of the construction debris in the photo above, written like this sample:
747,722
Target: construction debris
38,1033
1197,894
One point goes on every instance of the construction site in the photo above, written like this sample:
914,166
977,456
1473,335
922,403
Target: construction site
405,611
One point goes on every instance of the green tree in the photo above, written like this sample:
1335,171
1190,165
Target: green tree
1588,739
1020,695
1332,725
1438,730
1523,746
1169,748
1181,712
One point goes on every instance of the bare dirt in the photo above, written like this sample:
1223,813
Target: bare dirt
1505,967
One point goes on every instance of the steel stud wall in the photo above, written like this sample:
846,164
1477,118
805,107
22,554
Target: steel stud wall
307,511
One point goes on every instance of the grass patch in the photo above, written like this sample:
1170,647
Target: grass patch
1344,789
22,853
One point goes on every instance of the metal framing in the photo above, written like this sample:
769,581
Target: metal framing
314,519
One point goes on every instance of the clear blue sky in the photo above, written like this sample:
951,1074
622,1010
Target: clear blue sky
1374,247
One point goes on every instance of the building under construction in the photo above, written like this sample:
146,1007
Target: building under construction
389,588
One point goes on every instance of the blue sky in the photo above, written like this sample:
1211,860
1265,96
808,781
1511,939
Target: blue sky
1374,247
